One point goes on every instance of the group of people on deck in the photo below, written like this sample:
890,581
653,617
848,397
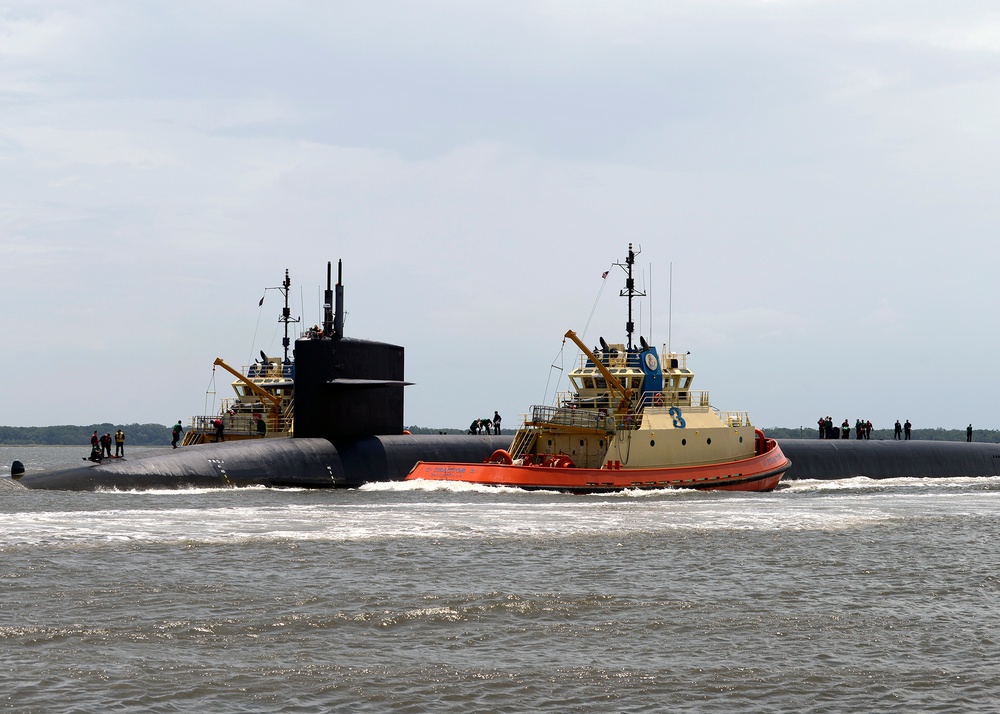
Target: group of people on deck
862,428
490,426
100,446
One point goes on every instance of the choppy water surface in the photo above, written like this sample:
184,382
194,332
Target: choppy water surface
839,596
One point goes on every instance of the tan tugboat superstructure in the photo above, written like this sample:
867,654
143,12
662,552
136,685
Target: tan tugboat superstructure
264,401
630,420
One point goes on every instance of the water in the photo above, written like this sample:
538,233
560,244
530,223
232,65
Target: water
822,597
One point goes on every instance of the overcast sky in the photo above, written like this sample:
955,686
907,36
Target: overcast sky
820,177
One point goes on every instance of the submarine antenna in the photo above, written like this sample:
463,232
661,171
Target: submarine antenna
338,318
328,303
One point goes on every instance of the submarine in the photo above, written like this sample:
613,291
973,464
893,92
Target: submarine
348,429
832,459
349,432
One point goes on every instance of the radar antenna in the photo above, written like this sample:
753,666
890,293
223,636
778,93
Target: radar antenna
286,316
630,292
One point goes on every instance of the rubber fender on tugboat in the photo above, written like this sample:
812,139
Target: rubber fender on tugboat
500,456
760,442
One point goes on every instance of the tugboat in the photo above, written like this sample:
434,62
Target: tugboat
264,402
631,421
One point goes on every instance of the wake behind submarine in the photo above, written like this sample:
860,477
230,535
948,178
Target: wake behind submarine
348,429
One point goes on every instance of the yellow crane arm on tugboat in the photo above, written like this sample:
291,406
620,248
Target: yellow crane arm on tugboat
612,380
263,394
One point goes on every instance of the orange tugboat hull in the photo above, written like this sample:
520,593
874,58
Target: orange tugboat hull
758,473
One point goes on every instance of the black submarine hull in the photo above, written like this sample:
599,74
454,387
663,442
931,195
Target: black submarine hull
317,463
273,463
832,459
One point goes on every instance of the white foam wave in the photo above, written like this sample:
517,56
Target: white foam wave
427,485
448,510
857,483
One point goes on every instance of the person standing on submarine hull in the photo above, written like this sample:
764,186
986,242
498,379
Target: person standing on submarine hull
897,434
906,430
176,432
968,433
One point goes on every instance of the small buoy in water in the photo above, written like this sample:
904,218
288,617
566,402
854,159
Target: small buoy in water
16,469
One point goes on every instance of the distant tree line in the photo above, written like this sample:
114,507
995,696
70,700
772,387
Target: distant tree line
67,435
986,436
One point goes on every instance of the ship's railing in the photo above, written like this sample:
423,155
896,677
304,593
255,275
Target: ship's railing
609,401
631,359
667,359
240,424
565,416
260,370
735,418
674,399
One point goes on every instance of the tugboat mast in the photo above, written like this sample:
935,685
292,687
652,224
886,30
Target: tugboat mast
630,292
286,315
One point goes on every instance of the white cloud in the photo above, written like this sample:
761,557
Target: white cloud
96,147
30,38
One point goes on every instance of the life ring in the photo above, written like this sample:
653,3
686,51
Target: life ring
658,399
500,456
